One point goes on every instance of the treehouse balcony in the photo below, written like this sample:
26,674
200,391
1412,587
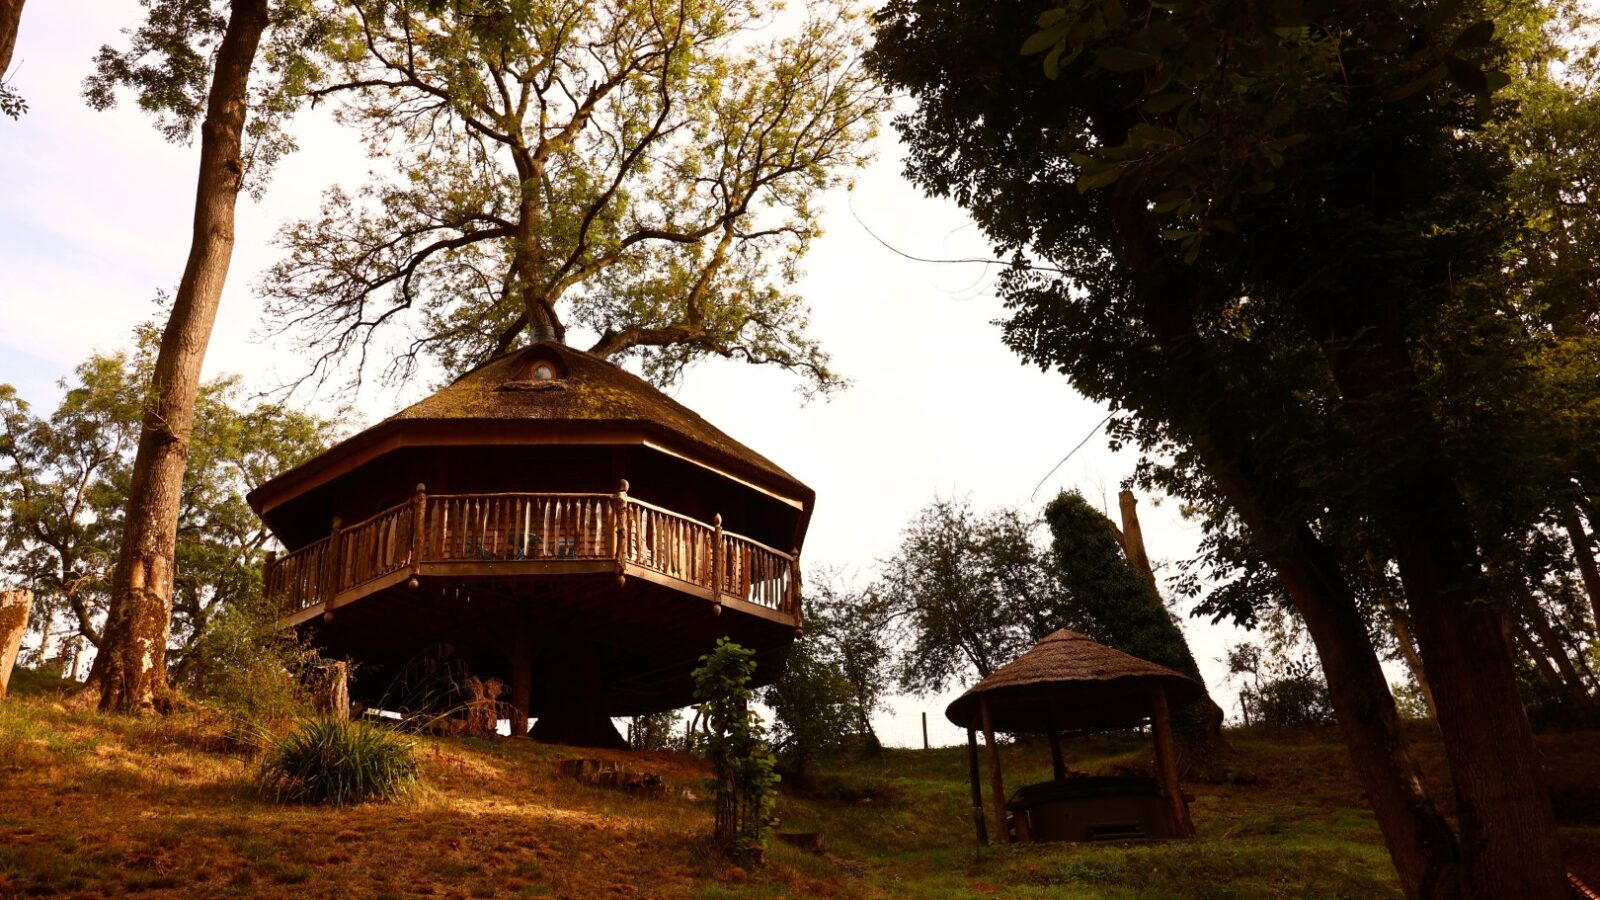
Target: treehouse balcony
551,521
492,537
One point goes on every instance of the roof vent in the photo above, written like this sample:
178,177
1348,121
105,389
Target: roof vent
541,333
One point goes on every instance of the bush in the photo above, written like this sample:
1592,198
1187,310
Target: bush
338,763
743,780
251,670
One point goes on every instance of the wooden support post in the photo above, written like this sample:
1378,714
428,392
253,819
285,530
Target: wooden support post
1167,765
622,533
14,608
1058,763
332,693
419,528
977,788
792,602
716,560
996,780
521,678
924,729
333,564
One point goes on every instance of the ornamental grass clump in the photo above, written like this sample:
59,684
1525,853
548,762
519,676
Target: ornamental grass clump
338,763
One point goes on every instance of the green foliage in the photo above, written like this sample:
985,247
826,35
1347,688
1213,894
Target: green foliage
967,592
835,675
1112,603
645,171
169,60
64,482
252,670
1279,690
812,705
12,103
1409,701
657,731
744,780
327,761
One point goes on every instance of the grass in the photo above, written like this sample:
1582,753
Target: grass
91,806
338,763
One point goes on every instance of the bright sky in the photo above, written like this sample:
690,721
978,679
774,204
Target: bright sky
95,211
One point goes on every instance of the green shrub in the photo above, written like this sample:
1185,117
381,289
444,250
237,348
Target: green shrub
251,670
338,763
744,782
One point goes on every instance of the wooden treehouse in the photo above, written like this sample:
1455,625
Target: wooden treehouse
560,524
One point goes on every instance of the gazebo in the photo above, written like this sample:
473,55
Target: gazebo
1069,684
560,524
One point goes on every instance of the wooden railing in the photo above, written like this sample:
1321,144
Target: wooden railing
467,528
518,527
669,543
376,547
755,572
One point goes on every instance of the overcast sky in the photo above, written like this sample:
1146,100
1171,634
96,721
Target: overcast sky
95,211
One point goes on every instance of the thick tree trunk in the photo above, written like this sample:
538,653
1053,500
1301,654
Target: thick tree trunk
1507,829
140,616
14,606
1419,840
1583,553
10,17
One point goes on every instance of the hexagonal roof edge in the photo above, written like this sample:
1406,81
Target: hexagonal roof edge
586,389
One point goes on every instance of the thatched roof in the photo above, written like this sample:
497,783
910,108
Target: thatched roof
592,390
1068,682
502,397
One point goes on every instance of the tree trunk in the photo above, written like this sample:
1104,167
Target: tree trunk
1508,837
1408,649
14,606
330,690
10,16
1211,715
1583,553
1420,842
140,616
1572,683
1418,838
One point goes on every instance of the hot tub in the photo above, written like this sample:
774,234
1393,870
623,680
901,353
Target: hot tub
1102,808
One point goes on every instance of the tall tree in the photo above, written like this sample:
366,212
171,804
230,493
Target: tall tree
1116,604
58,491
64,478
967,592
189,59
641,168
1278,235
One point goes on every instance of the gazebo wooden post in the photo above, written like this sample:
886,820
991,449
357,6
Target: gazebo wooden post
977,788
1058,763
996,780
1167,764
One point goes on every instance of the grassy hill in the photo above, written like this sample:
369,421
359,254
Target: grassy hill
91,806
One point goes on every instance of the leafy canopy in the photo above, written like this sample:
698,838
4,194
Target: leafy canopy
645,170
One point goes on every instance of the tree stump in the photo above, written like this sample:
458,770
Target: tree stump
330,690
14,608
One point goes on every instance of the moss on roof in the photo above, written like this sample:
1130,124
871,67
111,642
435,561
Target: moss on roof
592,390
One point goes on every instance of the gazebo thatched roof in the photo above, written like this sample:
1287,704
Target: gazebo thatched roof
1068,682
